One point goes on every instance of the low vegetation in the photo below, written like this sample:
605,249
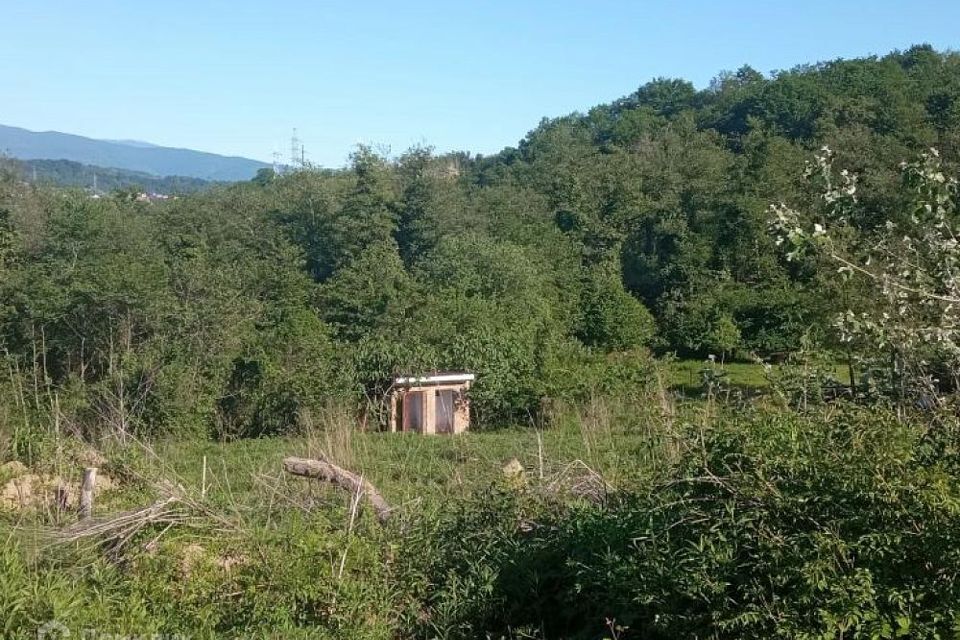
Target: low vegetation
630,519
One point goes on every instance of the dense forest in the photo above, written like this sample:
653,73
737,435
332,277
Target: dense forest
640,224
802,225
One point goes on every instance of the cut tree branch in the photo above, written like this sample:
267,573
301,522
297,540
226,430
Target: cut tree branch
346,480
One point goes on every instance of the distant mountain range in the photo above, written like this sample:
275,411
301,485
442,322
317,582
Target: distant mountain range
130,155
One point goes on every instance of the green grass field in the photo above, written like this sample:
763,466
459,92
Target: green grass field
247,474
613,493
238,508
410,467
687,375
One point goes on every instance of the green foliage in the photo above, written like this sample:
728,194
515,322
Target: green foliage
32,595
700,326
307,597
289,370
205,589
369,295
611,318
66,173
264,177
642,222
249,310
775,526
757,523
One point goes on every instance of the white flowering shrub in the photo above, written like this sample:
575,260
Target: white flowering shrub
908,324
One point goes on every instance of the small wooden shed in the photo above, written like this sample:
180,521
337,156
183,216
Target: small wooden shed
430,404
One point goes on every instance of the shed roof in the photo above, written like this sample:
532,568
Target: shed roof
439,378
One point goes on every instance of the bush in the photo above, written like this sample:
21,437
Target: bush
779,526
612,318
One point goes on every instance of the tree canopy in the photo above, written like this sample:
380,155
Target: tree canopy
642,223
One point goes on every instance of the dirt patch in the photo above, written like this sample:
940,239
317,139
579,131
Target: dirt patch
190,557
229,561
194,556
12,469
33,490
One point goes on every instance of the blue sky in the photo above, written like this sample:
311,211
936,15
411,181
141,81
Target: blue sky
235,77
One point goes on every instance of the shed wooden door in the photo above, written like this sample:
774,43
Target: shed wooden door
413,411
445,410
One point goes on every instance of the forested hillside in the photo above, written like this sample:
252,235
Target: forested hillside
642,223
797,225
64,173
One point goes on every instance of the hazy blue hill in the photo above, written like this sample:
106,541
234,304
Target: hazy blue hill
131,156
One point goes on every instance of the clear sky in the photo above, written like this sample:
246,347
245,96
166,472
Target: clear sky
235,77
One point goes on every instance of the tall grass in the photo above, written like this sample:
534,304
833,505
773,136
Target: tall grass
627,507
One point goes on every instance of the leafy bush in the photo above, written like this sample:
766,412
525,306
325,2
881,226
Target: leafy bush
611,318
777,526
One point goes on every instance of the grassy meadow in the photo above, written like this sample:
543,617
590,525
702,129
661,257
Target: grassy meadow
651,514
241,534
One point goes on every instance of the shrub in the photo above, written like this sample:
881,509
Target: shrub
612,318
778,526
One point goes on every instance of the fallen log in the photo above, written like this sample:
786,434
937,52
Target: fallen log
346,480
